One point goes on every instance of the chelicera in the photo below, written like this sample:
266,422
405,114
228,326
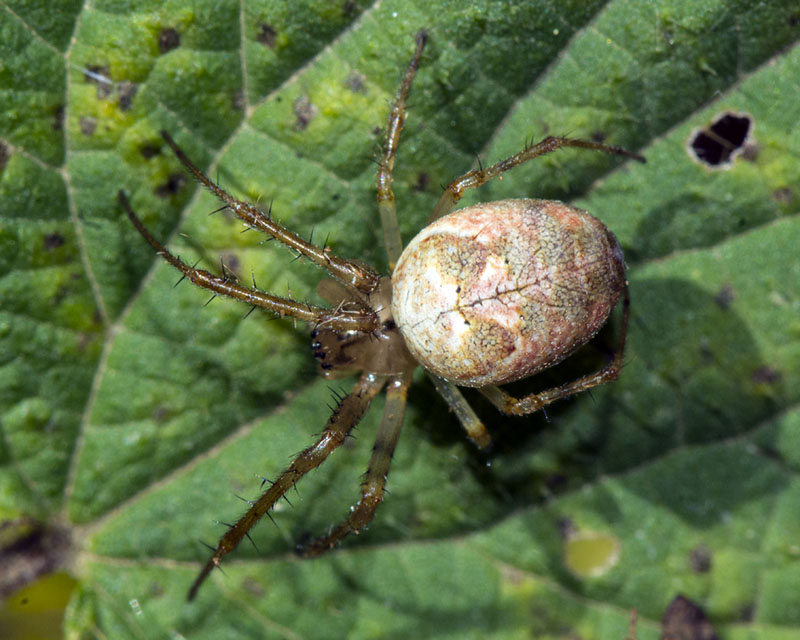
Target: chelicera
482,296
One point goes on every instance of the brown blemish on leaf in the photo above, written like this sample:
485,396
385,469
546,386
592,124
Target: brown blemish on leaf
232,264
566,528
5,154
87,125
58,118
127,92
160,415
725,296
149,150
266,35
305,111
174,184
423,179
168,40
53,241
783,196
238,100
685,620
700,559
356,82
766,375
104,89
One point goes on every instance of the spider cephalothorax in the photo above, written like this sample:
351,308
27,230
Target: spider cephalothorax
482,296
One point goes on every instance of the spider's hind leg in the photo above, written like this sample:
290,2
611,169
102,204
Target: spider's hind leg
386,206
510,405
372,488
346,416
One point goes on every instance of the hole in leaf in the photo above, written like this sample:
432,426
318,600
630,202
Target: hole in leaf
717,144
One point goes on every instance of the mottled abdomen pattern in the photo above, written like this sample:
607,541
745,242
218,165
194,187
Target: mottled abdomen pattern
496,292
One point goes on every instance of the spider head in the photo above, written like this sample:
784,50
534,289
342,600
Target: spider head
341,353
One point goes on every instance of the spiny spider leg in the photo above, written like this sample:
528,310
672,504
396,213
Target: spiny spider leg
470,180
346,416
476,431
535,401
355,274
338,319
375,479
386,206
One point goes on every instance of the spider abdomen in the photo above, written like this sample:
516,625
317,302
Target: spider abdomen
495,292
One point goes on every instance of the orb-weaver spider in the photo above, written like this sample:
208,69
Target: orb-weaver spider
480,297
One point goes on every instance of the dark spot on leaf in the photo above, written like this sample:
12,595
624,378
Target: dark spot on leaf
700,559
747,613
750,152
58,118
305,112
355,82
5,154
766,375
127,92
87,125
238,101
335,197
232,264
168,40
98,75
160,415
706,353
253,588
556,482
266,35
149,150
718,143
684,620
53,241
725,296
783,195
566,528
174,184
423,179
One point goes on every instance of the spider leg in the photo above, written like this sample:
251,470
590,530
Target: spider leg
374,482
339,319
386,206
452,194
476,431
349,412
535,401
356,274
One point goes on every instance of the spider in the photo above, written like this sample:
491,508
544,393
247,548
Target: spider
482,296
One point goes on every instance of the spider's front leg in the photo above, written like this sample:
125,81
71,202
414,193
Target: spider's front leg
372,488
340,320
346,416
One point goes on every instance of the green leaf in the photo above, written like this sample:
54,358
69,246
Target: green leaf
132,414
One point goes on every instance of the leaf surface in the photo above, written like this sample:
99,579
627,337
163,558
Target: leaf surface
132,414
